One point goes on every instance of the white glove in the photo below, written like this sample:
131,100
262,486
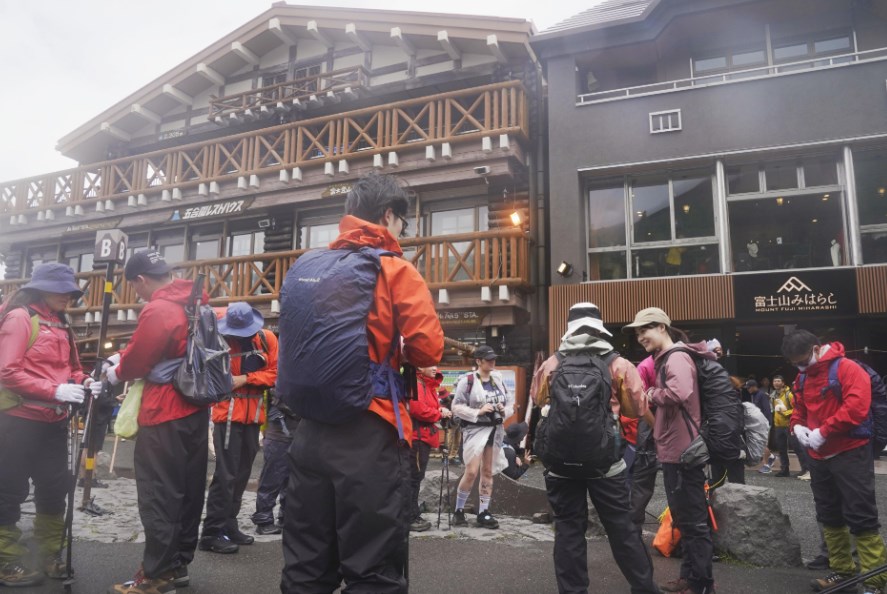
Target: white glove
110,362
111,374
816,440
70,393
780,407
95,388
803,435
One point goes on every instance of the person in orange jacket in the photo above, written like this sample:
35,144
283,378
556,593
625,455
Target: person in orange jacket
425,412
347,512
236,424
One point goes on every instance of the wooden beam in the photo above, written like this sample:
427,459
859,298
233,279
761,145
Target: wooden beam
402,42
275,27
317,34
210,74
357,37
174,93
115,132
444,39
145,113
245,53
493,46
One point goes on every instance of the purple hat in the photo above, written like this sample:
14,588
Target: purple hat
53,277
241,320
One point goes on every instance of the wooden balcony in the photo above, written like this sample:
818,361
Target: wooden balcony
457,117
489,258
290,95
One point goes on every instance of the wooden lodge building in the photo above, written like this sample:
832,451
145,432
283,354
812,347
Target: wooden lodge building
238,160
725,160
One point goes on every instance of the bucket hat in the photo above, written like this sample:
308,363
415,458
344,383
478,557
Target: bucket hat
585,314
54,277
241,320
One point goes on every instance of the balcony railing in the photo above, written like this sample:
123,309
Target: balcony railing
732,76
290,94
469,260
454,117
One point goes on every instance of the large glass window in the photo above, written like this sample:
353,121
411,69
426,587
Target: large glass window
671,222
781,175
452,222
318,235
871,194
743,179
246,243
171,245
787,232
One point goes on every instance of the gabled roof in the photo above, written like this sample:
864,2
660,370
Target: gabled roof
284,24
606,14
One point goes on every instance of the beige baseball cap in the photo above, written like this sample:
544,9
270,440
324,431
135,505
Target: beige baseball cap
650,315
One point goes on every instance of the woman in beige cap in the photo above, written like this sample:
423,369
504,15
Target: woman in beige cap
678,416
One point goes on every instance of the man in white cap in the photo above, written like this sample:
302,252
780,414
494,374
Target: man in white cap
588,371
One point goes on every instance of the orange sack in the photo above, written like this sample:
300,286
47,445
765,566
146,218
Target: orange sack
668,537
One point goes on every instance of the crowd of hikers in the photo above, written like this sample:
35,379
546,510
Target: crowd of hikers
350,401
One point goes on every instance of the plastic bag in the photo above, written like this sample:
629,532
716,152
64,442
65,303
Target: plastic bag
668,537
127,423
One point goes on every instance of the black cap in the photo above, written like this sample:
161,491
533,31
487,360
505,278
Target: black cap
485,352
751,384
147,262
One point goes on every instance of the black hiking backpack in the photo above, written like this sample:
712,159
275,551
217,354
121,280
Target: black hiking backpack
721,405
580,437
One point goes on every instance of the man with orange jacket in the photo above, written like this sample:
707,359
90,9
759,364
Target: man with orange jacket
425,412
236,424
347,512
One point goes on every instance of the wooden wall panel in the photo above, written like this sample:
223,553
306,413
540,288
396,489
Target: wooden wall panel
871,287
683,298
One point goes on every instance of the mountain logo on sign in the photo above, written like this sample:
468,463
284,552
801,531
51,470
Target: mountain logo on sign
793,284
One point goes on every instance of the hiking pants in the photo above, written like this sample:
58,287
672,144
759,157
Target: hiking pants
170,468
233,467
734,471
685,491
272,481
643,483
347,508
419,454
38,451
780,437
611,500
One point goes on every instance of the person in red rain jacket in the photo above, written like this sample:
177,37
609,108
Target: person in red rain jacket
425,412
841,466
236,424
40,379
171,450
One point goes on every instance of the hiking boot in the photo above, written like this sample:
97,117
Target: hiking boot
15,574
782,473
266,529
871,589
678,585
143,585
459,518
819,563
178,577
420,525
804,476
486,520
55,568
218,544
831,580
238,537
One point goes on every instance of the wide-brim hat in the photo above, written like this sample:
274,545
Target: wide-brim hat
54,277
585,314
241,320
650,315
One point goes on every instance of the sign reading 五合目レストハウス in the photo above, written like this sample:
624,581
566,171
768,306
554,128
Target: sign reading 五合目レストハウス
216,209
795,293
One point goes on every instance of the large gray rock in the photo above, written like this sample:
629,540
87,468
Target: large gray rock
752,527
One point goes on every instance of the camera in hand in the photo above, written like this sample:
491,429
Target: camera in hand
495,417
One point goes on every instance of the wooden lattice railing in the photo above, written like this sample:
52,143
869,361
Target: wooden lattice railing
454,117
488,258
288,94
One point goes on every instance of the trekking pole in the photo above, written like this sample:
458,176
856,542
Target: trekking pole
67,535
842,586
445,455
86,503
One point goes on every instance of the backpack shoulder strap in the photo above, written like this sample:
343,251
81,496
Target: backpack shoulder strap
833,383
35,330
263,341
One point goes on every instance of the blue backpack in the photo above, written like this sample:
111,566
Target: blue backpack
325,373
874,426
